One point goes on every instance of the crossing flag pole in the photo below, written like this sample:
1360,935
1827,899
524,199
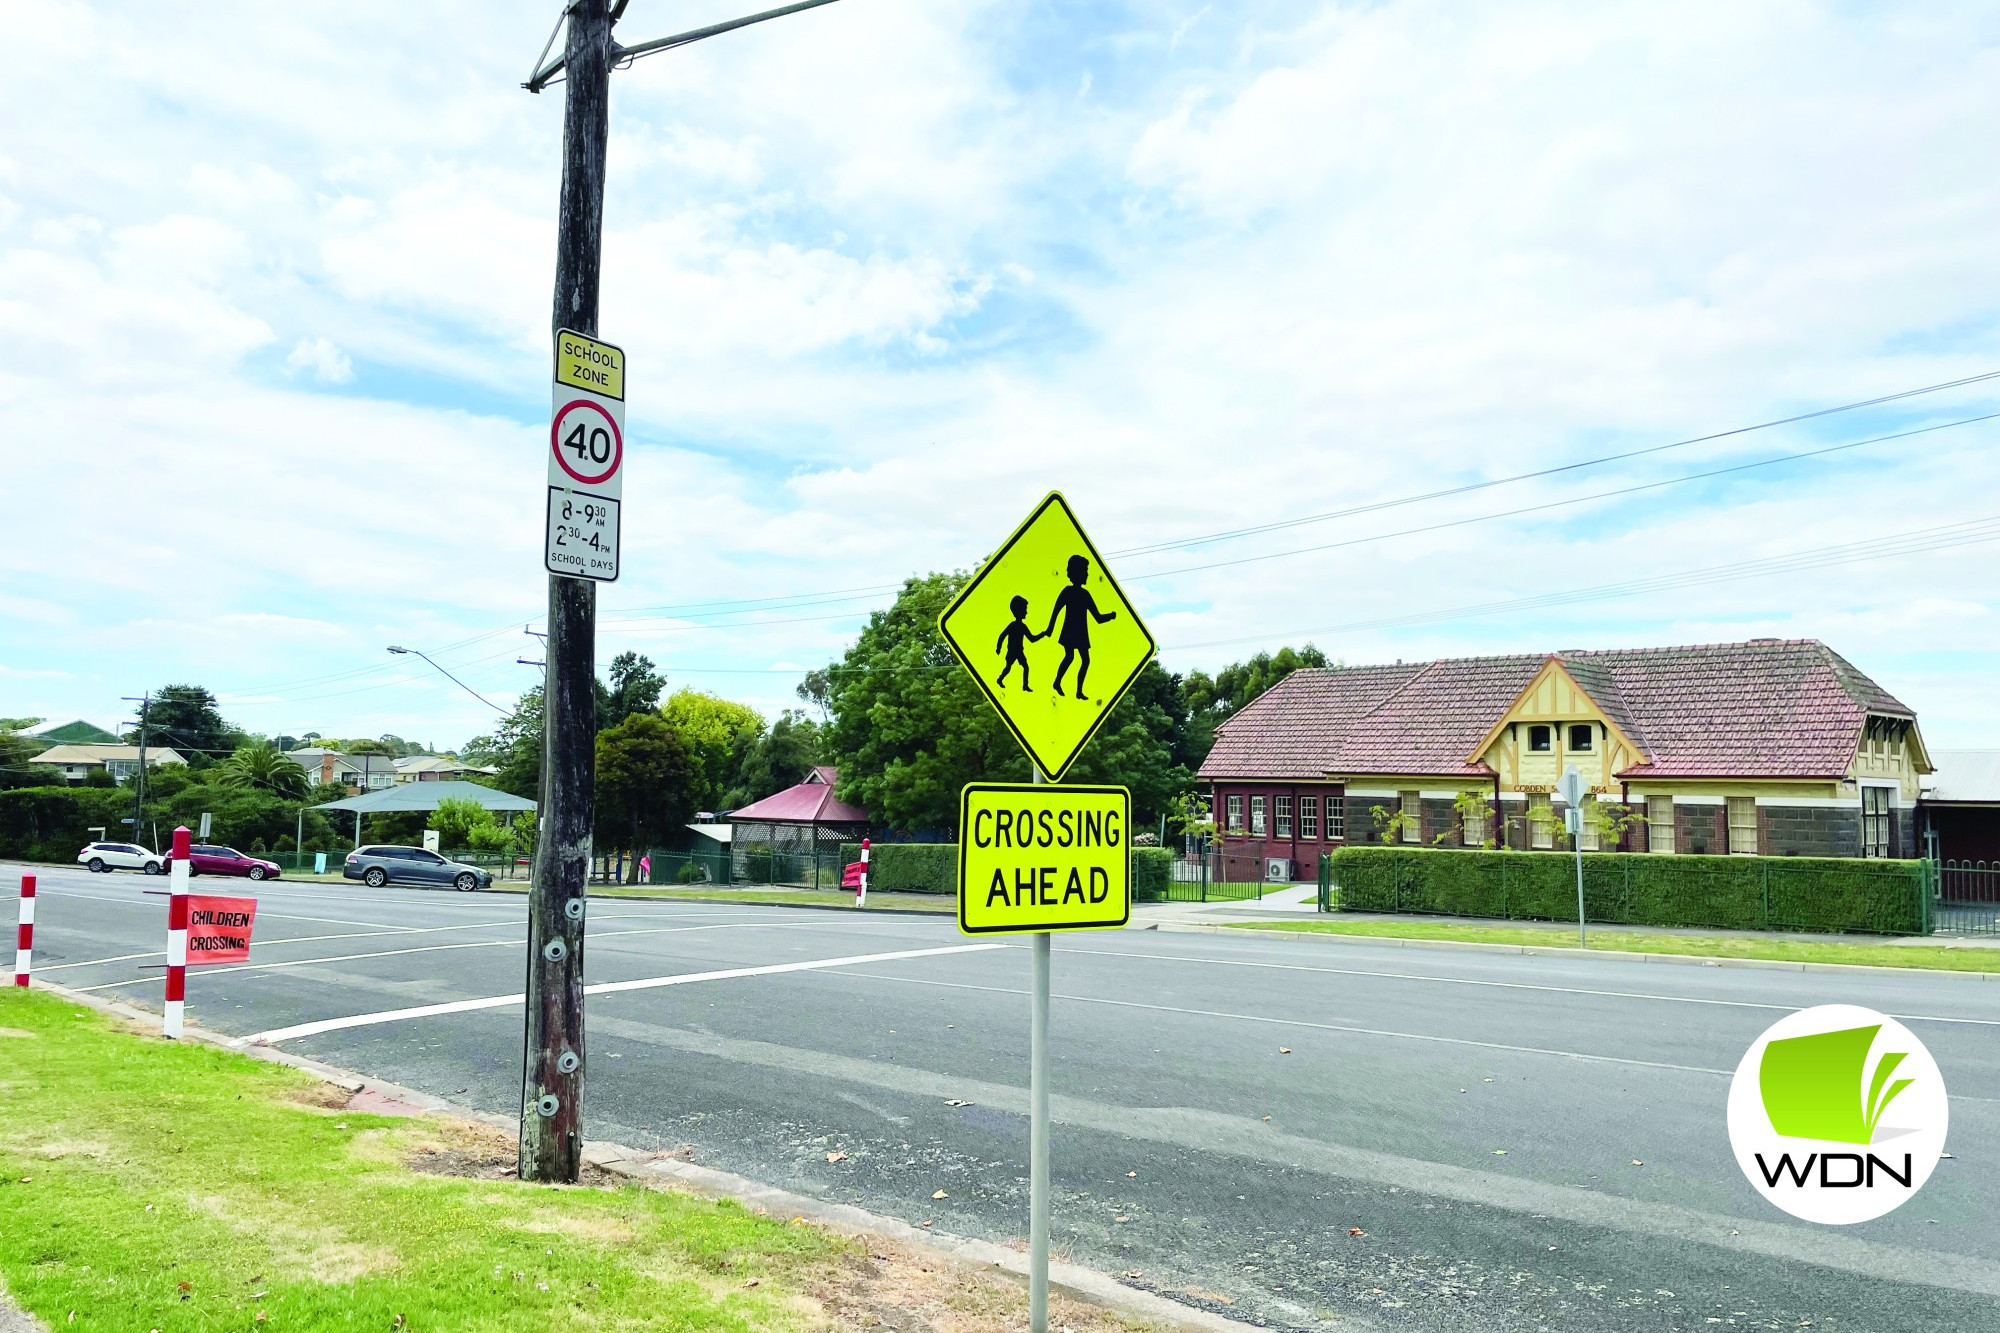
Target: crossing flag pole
1038,1132
178,866
24,940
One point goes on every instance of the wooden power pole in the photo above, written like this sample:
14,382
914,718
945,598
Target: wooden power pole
552,1077
552,1063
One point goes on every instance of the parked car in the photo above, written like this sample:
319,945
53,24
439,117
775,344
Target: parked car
105,857
210,860
376,866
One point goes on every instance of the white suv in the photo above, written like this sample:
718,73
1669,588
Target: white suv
105,857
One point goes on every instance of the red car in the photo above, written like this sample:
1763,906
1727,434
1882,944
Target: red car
205,860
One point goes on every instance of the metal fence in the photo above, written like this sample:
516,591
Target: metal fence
1967,897
504,865
748,868
1201,878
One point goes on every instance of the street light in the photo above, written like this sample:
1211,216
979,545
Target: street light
399,649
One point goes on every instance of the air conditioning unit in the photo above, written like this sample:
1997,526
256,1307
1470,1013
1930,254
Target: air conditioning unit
1277,870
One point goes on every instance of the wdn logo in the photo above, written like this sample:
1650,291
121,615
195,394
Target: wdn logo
1837,1114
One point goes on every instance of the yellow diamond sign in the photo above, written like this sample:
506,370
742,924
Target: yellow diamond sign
1049,636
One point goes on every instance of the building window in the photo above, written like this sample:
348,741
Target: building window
1235,813
1309,816
1541,739
1256,816
1283,815
1336,819
1541,821
1412,806
1589,837
1474,831
1742,826
1580,737
1660,825
1875,821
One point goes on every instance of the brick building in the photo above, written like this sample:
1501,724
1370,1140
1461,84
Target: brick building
1767,748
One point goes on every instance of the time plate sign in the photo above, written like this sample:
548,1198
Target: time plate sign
586,482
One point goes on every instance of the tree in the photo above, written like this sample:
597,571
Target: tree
720,733
910,727
517,745
817,690
778,758
185,717
266,769
1211,702
15,770
456,819
635,688
647,774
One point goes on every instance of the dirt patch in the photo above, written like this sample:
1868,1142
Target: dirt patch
481,1152
16,1032
894,1288
320,1096
316,1252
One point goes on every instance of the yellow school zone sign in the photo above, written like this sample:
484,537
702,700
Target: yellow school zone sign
1049,636
1035,857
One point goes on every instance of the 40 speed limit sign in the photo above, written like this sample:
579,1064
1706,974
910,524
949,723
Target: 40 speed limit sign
586,458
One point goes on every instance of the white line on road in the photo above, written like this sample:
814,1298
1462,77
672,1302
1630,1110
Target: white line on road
1511,985
605,988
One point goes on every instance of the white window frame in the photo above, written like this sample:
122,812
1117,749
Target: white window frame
1883,821
1659,833
1591,838
1258,804
1472,829
1541,822
1411,805
1234,804
1281,817
1309,818
1336,819
1741,830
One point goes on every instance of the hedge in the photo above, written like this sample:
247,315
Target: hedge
932,867
1723,892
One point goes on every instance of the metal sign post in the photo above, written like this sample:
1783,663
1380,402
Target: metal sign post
1036,858
1571,790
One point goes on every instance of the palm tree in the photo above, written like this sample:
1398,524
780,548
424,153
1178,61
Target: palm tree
265,769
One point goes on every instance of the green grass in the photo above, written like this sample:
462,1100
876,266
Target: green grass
150,1185
1705,946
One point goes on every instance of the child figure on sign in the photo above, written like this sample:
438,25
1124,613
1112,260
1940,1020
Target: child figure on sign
1077,608
1014,640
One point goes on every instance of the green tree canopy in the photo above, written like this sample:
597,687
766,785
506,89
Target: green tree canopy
455,819
1212,701
778,759
720,732
266,769
635,688
186,718
647,773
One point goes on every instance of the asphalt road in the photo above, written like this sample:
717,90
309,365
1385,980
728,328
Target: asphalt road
1476,1117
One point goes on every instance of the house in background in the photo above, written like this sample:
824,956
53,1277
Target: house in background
1961,808
358,772
1771,747
74,763
78,732
803,820
436,768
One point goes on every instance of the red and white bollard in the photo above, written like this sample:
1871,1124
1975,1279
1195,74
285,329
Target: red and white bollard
24,938
177,930
861,894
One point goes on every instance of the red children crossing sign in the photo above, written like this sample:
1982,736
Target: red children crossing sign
586,458
219,928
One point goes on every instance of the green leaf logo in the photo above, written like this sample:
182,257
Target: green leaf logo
1817,1086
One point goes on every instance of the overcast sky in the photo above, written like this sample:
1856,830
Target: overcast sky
275,283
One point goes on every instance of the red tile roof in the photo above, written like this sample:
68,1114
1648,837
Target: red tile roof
810,802
1766,708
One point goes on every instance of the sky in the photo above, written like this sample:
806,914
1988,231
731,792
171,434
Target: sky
275,286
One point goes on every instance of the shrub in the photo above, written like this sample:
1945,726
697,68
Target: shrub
1151,869
489,837
690,874
1721,892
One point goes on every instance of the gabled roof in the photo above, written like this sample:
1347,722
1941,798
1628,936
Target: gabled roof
810,802
1766,708
427,795
98,754
78,732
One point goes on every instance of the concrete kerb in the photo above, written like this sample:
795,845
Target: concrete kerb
1685,960
1084,1284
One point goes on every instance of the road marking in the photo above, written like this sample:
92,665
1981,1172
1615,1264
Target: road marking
1512,985
296,939
605,988
1204,1131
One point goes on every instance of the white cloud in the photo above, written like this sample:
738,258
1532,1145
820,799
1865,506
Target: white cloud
328,363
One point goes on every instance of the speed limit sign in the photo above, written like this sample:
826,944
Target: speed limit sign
586,458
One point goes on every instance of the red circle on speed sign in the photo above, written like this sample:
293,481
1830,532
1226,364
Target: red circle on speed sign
585,433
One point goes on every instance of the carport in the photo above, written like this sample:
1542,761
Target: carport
426,796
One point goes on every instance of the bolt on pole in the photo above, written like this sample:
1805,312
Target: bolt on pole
552,1076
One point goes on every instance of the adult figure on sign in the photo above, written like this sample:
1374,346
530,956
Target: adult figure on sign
1076,608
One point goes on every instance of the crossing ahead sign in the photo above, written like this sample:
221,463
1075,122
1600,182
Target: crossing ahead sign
1049,635
1035,856
586,458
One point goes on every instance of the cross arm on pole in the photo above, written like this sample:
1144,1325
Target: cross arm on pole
625,55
